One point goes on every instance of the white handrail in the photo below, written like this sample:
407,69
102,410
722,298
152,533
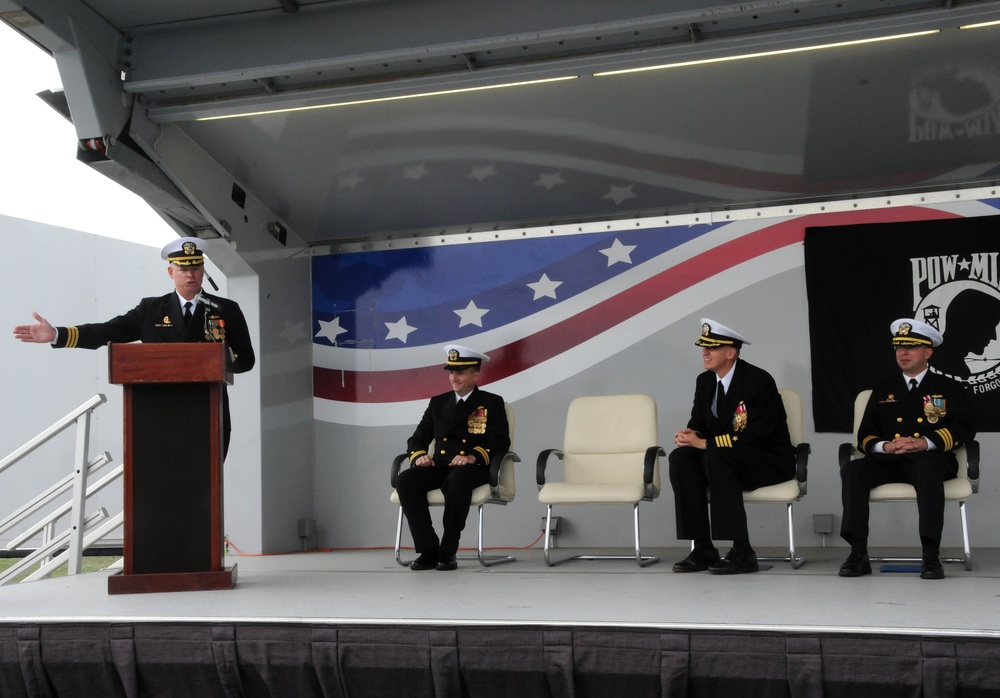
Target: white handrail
65,508
48,549
81,532
87,407
49,495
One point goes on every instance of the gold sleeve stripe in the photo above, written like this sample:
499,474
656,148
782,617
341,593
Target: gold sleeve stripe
417,454
724,441
947,438
72,337
867,440
484,453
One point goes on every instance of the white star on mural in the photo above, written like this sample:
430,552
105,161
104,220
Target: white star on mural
399,330
544,287
294,331
416,172
618,253
471,315
964,265
482,172
549,179
620,194
329,329
349,181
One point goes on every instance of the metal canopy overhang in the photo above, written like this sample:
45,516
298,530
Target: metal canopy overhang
796,128
223,69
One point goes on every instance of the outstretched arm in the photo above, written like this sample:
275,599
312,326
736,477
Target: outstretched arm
40,333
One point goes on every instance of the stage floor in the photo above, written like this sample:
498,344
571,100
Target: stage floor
368,587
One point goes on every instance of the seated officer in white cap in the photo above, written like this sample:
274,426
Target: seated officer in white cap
737,439
186,314
912,424
469,428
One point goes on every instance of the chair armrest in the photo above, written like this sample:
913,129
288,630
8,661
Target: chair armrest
497,464
397,462
846,452
543,459
972,455
802,452
649,461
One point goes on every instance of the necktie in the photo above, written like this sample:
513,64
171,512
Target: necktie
187,312
913,383
720,395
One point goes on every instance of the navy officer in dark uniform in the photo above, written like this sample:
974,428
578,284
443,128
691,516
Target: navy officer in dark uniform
737,439
187,314
911,425
469,428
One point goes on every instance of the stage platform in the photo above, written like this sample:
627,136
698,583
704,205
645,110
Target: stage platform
354,623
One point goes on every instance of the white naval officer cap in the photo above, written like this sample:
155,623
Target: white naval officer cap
715,334
460,357
183,252
907,332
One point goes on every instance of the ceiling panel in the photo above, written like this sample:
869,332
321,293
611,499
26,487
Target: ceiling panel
906,115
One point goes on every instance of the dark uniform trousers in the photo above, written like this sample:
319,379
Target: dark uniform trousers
695,472
478,427
748,447
925,470
456,483
893,410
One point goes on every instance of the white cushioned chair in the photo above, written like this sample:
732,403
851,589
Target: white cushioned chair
609,456
793,490
499,490
958,489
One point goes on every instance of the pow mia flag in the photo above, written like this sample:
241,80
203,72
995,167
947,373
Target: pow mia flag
860,278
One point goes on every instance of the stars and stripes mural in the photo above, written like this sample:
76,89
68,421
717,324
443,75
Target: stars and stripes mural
544,307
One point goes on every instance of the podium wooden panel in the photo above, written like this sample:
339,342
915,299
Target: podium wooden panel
173,396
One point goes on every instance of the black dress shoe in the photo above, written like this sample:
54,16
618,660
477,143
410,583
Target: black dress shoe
856,565
736,562
447,563
426,561
930,568
698,560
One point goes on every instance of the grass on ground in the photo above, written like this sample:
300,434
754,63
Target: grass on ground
91,563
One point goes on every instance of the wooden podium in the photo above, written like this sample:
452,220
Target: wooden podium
173,466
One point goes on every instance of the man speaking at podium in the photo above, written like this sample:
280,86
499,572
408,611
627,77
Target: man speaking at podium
188,314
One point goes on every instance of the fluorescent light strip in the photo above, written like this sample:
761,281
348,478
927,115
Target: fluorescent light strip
373,100
764,53
981,24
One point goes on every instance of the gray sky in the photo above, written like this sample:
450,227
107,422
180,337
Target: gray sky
40,177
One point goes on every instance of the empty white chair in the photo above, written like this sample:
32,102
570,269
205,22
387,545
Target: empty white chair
609,456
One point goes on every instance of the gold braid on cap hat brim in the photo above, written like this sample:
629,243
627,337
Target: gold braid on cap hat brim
463,364
188,261
911,342
712,342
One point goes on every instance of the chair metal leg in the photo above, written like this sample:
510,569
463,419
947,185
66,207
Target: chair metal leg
795,561
399,534
548,539
965,535
489,560
639,557
484,559
643,560
966,558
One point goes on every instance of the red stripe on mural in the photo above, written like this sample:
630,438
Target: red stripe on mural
510,359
